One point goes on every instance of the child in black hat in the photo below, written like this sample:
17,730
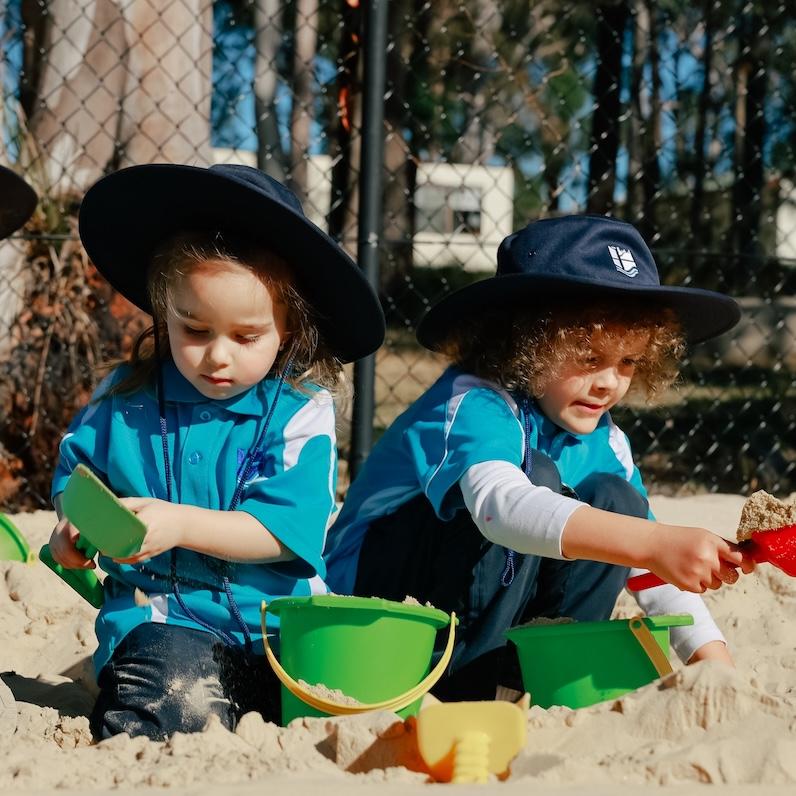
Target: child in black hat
219,433
17,202
506,492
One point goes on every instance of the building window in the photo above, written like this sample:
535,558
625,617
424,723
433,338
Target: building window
447,210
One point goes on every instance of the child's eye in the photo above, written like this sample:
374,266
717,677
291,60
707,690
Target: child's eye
249,339
194,332
630,361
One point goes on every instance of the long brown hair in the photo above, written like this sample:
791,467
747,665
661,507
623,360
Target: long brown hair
311,359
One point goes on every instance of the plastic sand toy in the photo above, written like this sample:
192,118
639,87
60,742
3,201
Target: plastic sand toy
776,546
345,655
578,664
465,742
105,526
13,546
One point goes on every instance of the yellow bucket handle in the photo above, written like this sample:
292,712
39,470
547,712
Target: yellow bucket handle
638,627
339,709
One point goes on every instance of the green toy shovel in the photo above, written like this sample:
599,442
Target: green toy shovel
105,526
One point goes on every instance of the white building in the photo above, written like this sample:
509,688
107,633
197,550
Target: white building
462,211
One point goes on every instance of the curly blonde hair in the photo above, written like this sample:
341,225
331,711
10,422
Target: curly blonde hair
524,350
177,257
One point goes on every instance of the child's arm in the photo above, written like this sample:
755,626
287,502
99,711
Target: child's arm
712,651
229,535
511,511
693,559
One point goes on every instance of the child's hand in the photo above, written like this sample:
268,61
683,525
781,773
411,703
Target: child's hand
164,526
694,559
63,541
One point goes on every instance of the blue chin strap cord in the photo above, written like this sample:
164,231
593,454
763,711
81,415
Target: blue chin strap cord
244,474
524,401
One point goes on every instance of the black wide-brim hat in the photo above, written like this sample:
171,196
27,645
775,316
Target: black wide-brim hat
127,215
581,258
17,202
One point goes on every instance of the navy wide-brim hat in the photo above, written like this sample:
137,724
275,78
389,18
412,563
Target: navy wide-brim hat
127,215
578,258
17,202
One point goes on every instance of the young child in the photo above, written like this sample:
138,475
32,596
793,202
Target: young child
17,202
506,492
219,433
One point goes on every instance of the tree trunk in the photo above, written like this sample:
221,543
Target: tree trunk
750,136
268,39
128,84
301,115
700,230
638,100
650,166
399,166
604,138
346,141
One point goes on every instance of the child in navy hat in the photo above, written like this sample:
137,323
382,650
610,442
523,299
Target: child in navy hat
17,202
219,433
506,492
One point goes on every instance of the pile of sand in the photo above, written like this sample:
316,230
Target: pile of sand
764,512
705,724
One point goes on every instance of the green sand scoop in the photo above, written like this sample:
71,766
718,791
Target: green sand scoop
105,526
13,546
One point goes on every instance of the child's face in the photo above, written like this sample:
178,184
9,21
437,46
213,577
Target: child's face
225,328
584,391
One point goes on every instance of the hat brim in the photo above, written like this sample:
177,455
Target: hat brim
17,202
128,214
703,313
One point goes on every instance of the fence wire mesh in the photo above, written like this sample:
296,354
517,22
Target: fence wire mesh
677,116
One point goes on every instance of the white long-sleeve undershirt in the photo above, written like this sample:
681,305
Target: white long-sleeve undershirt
511,511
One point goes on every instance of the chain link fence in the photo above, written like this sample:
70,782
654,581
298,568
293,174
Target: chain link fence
677,116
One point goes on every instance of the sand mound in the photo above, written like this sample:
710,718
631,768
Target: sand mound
703,724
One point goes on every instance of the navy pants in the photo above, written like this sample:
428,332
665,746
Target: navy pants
455,568
164,679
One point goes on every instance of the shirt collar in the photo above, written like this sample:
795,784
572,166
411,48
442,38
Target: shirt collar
179,390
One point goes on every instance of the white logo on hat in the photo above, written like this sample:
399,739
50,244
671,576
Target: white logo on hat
623,260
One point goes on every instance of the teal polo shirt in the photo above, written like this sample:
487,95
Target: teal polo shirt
460,421
291,492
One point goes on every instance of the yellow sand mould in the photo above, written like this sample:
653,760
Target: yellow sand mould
464,742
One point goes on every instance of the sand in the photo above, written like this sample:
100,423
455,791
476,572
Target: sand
733,728
764,512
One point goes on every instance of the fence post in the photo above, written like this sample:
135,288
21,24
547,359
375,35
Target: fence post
370,213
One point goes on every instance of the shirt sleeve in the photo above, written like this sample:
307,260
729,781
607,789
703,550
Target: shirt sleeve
667,600
479,426
511,511
86,439
296,503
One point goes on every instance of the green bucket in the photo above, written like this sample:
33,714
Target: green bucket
13,546
369,648
581,663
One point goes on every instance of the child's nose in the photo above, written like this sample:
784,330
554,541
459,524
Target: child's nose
217,352
606,379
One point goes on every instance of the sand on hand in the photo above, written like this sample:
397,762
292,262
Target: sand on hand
704,724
